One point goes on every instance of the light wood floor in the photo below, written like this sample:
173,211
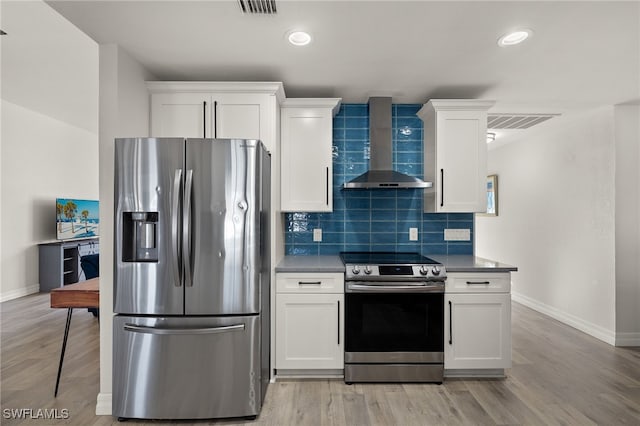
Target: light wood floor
559,376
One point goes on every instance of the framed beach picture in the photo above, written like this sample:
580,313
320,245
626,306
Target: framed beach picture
77,219
492,196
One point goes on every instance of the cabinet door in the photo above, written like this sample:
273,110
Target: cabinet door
240,116
461,159
185,115
477,331
309,331
307,170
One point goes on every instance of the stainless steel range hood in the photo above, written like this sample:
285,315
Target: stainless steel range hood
381,174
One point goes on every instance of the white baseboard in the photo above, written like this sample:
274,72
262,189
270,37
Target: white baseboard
479,373
103,404
591,329
19,292
284,374
627,339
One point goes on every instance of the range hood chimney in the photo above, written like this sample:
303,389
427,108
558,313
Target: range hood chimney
381,174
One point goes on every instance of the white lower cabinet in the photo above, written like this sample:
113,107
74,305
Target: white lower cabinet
309,322
477,322
308,331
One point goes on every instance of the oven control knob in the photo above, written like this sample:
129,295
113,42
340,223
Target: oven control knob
424,270
367,270
355,270
435,270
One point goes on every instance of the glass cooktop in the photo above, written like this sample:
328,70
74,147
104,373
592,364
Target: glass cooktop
385,258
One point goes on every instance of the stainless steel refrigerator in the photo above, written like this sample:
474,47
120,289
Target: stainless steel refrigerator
191,283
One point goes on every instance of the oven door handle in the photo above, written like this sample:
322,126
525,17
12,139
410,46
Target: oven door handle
378,288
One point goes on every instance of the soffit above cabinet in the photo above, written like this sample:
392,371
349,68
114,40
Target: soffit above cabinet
461,104
266,87
333,103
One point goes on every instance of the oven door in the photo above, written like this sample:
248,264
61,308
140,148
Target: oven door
394,327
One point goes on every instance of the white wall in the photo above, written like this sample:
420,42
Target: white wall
124,112
627,127
556,221
49,141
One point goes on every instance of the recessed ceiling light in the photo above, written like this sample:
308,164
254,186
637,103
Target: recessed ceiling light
514,37
299,38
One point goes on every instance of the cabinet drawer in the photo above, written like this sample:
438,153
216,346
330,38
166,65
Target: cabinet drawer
478,283
311,282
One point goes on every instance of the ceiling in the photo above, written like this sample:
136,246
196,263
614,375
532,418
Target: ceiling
582,54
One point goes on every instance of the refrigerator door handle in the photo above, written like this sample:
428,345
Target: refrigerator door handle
182,331
175,220
186,230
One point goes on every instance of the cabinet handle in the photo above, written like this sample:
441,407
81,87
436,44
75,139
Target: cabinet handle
309,282
338,323
441,187
327,187
478,282
204,119
215,119
450,327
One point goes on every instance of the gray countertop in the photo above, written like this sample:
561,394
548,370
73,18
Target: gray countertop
310,264
453,263
467,263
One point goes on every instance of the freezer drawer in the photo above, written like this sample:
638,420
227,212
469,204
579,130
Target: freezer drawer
186,368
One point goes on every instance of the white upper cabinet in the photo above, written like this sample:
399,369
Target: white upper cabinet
306,156
243,110
180,115
455,154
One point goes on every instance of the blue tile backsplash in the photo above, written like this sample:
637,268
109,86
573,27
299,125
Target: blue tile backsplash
378,219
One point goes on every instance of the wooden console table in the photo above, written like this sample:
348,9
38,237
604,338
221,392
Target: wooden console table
85,294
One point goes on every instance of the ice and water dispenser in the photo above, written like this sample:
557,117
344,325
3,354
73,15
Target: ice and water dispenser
139,237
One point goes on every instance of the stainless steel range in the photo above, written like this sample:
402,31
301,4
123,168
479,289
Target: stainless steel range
394,317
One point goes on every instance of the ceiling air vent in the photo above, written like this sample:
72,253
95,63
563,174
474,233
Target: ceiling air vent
260,7
516,121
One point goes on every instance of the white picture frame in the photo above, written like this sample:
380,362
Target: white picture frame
492,196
